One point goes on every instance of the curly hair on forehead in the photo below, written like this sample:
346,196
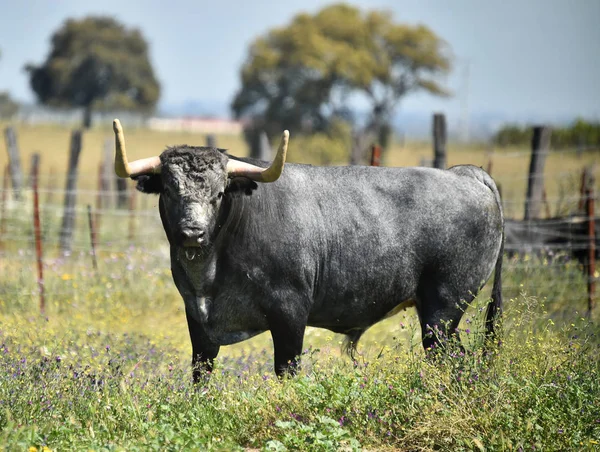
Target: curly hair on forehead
194,161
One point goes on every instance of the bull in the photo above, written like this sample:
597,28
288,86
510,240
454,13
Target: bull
254,248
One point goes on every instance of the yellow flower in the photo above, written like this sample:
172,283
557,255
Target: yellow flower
66,277
33,449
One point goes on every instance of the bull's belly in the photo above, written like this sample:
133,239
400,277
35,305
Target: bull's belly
357,313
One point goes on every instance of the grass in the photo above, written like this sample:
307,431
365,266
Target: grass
107,366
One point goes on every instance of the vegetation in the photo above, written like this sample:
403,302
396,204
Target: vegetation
96,62
301,77
580,133
107,368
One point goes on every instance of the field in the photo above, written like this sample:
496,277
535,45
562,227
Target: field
106,367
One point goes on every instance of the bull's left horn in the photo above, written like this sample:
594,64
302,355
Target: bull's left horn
270,174
125,169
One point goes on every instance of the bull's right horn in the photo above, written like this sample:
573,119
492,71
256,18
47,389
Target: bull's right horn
270,174
125,169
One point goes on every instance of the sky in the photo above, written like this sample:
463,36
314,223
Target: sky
534,58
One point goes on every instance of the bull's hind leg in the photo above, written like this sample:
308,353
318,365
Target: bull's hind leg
203,351
440,309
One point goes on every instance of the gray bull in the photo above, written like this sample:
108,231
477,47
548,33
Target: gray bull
331,247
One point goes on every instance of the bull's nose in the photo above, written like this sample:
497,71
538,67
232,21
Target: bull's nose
192,236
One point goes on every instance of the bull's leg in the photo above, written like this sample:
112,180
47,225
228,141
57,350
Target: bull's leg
440,309
203,351
287,328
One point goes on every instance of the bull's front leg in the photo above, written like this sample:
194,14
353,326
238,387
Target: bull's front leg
203,350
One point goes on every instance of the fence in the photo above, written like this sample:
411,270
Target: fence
553,255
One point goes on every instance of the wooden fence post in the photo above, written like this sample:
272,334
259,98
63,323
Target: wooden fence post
439,141
211,141
540,144
107,174
586,175
375,155
3,204
14,161
591,258
37,229
92,237
122,198
132,215
264,147
68,223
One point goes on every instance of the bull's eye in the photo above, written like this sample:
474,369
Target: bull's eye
220,195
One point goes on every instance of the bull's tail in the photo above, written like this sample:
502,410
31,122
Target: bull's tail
494,308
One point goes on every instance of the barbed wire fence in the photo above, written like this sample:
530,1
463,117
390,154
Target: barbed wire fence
551,253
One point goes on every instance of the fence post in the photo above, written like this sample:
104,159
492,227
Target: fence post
122,202
14,160
37,229
132,216
375,155
540,144
68,223
107,173
591,258
211,141
439,141
3,205
586,175
264,147
92,237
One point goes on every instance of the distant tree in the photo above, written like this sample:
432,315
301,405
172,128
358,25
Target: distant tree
302,76
577,135
96,63
8,107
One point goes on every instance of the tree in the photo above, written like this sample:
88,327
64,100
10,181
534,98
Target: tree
96,63
302,76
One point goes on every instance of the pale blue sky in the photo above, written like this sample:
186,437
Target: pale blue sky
531,57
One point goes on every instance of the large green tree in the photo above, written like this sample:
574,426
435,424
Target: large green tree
96,63
303,75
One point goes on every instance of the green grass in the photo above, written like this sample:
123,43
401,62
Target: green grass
107,368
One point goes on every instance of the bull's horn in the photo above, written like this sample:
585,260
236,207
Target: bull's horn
270,174
126,169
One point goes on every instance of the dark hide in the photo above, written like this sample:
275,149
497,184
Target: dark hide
332,247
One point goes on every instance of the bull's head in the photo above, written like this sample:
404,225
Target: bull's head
192,182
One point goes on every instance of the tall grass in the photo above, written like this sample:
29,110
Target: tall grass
107,368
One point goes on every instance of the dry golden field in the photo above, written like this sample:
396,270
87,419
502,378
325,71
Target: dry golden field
509,166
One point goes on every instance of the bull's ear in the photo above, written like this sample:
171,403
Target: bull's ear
241,185
149,183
